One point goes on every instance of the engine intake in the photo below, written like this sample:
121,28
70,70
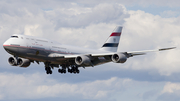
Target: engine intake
83,61
119,58
12,61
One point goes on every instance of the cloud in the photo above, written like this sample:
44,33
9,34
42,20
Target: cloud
169,14
34,86
144,31
171,91
171,87
109,13
39,86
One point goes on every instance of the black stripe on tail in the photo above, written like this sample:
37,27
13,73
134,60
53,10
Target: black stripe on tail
110,45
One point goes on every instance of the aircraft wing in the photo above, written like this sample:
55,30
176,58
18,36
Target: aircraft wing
128,54
134,53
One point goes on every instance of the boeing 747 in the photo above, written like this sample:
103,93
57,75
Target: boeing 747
27,49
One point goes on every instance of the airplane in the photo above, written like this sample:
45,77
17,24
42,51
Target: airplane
28,49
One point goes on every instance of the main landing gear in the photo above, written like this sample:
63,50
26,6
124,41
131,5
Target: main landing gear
73,69
48,68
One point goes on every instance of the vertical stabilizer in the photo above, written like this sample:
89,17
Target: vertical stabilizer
112,42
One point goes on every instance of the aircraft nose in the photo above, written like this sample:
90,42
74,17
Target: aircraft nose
8,48
5,45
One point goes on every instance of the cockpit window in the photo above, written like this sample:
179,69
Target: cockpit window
14,36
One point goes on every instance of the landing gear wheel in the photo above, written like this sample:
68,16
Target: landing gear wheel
74,72
69,70
48,70
78,71
59,70
64,71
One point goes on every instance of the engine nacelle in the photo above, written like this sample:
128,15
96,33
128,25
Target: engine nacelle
19,62
23,62
83,60
119,58
12,61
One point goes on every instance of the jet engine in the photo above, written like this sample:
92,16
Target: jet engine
83,60
119,58
19,62
23,62
12,61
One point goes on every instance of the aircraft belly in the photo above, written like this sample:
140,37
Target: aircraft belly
40,55
11,50
33,54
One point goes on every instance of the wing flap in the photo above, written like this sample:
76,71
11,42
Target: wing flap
102,54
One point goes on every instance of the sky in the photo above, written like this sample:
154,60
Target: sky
146,25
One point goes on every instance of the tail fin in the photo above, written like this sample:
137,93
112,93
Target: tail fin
112,42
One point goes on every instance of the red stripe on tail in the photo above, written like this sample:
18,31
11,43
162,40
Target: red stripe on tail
115,34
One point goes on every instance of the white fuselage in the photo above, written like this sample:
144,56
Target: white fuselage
39,49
